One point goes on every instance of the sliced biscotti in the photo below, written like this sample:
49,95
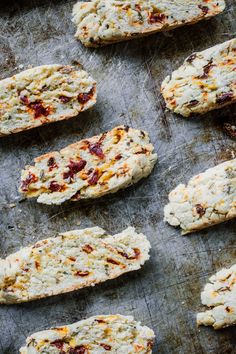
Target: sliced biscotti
219,295
206,81
90,168
73,260
115,334
208,199
44,94
101,22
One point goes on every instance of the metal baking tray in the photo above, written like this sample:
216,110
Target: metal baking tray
165,293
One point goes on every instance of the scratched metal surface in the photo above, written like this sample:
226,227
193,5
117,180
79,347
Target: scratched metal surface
165,294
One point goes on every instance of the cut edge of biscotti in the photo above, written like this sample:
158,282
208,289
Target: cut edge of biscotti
218,297
44,94
88,257
194,75
201,215
110,332
91,167
82,10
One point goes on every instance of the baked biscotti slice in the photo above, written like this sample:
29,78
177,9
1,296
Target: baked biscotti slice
71,261
206,81
44,94
90,168
101,22
208,199
219,295
115,334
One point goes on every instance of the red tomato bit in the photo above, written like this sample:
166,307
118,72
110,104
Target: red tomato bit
30,179
85,97
95,149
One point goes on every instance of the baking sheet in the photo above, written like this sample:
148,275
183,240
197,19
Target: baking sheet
165,294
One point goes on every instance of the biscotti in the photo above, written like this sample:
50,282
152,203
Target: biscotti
206,81
115,334
44,94
90,168
208,199
219,295
101,22
73,260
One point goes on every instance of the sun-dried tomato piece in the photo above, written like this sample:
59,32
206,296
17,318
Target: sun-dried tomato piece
143,151
85,97
68,175
52,163
193,103
94,178
229,309
64,99
30,179
72,259
76,167
156,17
150,344
136,254
82,273
55,187
200,210
113,261
206,70
84,144
123,254
58,343
81,349
99,320
105,346
224,97
118,157
39,109
37,265
87,248
95,149
204,9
